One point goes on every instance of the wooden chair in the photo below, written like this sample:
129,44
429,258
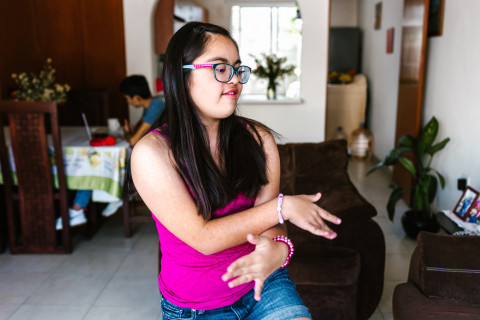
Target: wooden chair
32,203
3,221
131,202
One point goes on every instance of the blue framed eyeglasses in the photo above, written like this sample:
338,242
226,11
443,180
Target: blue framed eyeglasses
223,72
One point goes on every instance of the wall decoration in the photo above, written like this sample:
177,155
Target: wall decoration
390,33
467,202
435,18
378,15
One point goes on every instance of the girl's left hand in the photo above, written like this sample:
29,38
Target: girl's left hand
256,266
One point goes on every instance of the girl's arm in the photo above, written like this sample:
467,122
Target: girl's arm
165,194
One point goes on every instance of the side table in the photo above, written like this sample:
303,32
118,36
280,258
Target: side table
447,224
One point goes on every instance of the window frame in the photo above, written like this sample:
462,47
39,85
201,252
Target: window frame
255,98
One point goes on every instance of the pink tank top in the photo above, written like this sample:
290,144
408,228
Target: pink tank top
190,279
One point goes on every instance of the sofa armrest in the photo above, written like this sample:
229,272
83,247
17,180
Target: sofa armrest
447,267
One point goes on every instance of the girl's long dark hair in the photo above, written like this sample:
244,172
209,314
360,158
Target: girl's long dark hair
241,153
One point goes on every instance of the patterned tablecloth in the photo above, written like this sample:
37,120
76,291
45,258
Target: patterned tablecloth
101,169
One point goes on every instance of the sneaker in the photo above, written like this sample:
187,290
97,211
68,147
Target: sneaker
111,208
77,217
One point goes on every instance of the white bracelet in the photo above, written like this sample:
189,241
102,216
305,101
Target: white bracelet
279,208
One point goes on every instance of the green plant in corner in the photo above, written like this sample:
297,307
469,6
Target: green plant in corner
425,183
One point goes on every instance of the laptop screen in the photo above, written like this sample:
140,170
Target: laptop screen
87,127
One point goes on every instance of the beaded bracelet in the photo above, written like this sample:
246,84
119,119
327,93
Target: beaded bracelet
291,249
279,208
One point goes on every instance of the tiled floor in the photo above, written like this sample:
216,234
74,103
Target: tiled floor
110,277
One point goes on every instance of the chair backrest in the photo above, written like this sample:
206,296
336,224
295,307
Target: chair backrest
30,200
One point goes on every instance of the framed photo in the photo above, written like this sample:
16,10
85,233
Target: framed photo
378,16
435,18
468,201
390,33
473,214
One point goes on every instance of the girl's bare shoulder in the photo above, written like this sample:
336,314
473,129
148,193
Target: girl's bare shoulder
151,148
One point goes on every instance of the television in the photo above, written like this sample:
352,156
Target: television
345,49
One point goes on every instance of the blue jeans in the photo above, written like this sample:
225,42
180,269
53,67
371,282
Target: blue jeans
82,198
280,301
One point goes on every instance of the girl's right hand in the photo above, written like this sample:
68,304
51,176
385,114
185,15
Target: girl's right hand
302,211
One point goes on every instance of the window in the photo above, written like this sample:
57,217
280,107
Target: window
270,29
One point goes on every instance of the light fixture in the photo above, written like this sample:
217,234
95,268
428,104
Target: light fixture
298,18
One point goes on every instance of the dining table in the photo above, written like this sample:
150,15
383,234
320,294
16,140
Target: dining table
101,169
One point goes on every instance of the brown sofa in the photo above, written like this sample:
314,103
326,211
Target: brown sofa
340,278
443,280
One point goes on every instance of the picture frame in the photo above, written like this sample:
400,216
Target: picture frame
435,18
473,214
390,34
378,16
469,198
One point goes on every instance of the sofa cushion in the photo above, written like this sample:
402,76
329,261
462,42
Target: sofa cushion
448,267
409,303
334,266
327,278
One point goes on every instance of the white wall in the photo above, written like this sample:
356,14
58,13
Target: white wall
451,95
451,86
139,43
382,70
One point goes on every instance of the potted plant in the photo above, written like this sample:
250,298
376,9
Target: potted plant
272,68
425,184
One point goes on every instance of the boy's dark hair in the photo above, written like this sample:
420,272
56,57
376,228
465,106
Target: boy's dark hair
135,85
243,160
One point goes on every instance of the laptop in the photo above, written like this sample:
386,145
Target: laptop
92,135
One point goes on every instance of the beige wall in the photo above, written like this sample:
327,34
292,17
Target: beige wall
344,13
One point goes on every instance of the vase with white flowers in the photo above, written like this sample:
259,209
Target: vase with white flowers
272,67
41,87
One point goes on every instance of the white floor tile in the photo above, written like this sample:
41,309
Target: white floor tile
130,291
70,290
6,310
120,313
49,313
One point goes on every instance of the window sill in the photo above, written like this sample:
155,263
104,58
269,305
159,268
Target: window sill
262,99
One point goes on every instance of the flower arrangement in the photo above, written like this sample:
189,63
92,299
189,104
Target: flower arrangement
41,87
272,68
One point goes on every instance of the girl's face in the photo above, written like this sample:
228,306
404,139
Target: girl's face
215,100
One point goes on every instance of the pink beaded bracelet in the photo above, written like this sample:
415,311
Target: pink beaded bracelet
279,208
291,249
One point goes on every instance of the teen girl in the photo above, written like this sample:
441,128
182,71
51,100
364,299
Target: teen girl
211,179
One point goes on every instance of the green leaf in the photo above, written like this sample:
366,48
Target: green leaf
427,136
393,155
378,165
407,164
432,188
407,141
441,178
396,195
437,147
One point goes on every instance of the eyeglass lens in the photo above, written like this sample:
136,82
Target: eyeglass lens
224,73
